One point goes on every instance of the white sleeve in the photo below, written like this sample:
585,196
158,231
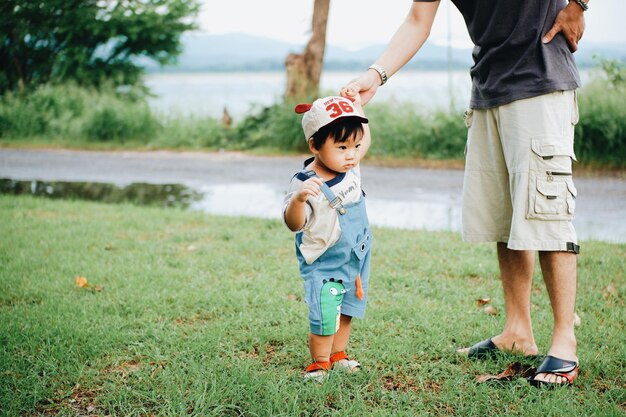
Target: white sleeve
294,187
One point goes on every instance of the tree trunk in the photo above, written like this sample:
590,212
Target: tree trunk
304,70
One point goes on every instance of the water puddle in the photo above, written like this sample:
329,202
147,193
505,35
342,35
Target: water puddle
163,195
427,212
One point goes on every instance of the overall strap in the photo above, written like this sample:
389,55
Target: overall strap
335,202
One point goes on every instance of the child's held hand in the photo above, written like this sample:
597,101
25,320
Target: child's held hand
351,93
310,188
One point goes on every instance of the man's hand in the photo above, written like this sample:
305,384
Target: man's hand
365,86
571,22
352,94
310,188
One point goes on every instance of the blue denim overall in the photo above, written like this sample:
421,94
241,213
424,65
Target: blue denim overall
337,282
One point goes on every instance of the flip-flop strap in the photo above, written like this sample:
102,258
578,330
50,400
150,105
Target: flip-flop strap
554,365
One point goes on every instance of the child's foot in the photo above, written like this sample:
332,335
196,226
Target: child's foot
317,371
340,360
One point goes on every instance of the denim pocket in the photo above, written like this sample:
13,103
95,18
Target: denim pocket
362,248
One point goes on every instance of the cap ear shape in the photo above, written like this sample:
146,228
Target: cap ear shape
302,108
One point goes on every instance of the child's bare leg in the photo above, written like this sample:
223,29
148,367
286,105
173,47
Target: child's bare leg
320,347
340,342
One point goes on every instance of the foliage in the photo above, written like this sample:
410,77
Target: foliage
87,41
73,112
182,313
277,126
402,131
601,131
191,132
79,116
614,71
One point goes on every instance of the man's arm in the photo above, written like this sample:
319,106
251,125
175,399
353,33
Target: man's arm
571,22
404,44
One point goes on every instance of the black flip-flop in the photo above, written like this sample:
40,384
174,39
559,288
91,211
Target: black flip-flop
484,349
555,366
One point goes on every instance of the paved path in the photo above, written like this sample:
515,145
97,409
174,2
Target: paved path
409,192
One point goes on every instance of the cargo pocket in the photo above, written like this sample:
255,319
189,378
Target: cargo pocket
551,190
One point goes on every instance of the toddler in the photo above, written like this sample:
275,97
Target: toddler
325,206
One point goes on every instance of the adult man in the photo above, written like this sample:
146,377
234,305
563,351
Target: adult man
518,189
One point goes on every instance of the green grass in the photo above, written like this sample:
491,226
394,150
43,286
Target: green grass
203,315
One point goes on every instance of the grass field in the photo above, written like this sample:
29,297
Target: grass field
189,314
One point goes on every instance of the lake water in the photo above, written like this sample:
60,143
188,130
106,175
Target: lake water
209,93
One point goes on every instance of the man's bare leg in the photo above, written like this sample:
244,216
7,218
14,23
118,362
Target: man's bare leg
516,273
559,274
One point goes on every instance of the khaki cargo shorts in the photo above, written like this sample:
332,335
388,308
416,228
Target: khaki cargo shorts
518,185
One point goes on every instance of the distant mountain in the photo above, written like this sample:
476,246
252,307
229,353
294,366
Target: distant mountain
240,52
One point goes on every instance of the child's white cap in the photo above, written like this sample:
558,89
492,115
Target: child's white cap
324,111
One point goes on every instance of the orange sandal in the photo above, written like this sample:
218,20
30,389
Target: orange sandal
316,371
341,360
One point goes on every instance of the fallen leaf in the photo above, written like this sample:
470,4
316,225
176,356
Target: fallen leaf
98,288
482,301
610,291
491,310
576,320
513,370
81,282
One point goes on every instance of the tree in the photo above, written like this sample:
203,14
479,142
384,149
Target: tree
304,70
87,41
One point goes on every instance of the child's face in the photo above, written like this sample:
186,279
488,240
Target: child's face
340,156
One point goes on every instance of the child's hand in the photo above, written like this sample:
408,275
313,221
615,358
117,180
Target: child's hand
310,188
351,93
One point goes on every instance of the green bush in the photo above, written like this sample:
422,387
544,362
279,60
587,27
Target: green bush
277,126
601,130
78,115
397,130
113,119
73,112
191,132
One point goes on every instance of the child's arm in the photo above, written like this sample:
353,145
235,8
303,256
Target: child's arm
295,212
355,97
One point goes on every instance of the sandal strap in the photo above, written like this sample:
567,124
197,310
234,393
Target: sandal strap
338,356
318,366
554,365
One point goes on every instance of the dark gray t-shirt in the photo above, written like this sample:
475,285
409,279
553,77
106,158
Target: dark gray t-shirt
510,61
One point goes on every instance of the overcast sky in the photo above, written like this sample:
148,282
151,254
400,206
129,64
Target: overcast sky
359,23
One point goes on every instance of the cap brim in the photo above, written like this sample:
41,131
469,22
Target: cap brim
359,118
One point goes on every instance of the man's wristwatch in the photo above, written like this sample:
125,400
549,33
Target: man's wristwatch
381,71
582,4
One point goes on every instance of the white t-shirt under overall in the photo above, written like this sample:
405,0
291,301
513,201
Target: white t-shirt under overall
321,229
